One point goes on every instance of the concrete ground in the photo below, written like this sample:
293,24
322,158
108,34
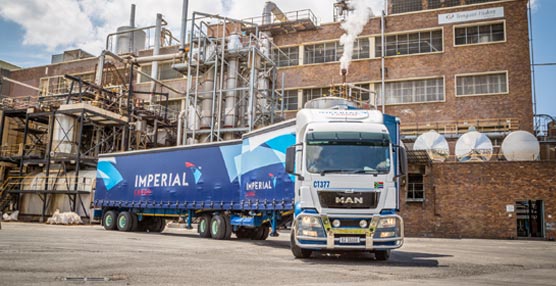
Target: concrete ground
39,254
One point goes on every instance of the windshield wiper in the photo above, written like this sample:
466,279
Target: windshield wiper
365,171
332,171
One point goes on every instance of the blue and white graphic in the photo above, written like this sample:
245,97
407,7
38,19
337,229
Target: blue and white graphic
107,171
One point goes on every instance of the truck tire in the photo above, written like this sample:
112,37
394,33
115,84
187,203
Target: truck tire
218,227
244,233
109,220
204,226
297,251
229,227
135,225
155,224
382,255
261,232
125,221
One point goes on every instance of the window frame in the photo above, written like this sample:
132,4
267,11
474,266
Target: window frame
480,74
377,90
478,25
376,38
408,189
338,51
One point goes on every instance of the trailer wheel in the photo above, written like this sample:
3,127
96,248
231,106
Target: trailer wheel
109,220
204,226
244,233
135,225
261,233
382,255
229,227
155,224
297,251
125,221
218,227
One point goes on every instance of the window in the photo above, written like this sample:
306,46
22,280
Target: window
290,99
165,72
481,84
332,51
412,91
312,93
478,1
403,6
434,4
415,188
288,56
479,34
413,43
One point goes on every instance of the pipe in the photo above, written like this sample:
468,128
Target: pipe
156,52
165,57
271,8
183,24
206,99
132,25
180,115
20,83
382,87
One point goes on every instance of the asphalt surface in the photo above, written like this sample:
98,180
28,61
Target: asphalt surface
39,254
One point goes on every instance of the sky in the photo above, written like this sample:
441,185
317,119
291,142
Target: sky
31,31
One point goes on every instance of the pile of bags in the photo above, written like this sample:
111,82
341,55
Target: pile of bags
64,218
10,217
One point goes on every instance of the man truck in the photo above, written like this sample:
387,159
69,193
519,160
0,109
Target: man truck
331,174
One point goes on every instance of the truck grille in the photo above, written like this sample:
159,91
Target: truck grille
343,200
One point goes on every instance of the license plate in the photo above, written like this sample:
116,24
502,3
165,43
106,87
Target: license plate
349,239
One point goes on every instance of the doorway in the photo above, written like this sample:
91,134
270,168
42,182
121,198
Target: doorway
530,220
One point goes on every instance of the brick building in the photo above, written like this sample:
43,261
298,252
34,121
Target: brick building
449,65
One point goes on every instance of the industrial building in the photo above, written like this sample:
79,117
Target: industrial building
451,66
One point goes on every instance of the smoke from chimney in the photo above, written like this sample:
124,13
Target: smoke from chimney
353,26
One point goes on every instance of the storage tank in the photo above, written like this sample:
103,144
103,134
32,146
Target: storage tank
63,136
123,43
32,204
520,146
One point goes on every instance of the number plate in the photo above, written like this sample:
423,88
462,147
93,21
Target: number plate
349,239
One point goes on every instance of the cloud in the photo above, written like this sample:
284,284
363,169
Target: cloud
58,25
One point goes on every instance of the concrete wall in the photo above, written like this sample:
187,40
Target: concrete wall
469,199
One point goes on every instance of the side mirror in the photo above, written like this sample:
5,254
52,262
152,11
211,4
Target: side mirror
402,161
290,160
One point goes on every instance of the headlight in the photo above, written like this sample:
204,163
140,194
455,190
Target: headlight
363,223
387,222
336,223
310,226
310,221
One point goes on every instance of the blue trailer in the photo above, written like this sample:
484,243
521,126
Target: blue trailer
252,186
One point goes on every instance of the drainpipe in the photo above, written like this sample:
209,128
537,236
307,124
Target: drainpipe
183,24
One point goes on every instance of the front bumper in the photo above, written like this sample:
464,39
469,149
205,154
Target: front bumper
359,238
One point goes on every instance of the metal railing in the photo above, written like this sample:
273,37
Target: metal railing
292,16
461,126
50,183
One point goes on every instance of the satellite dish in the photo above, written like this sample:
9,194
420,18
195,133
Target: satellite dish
521,146
435,145
473,147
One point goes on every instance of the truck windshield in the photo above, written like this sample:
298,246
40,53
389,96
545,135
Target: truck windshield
348,152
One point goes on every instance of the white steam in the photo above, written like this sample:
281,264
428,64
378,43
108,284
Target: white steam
354,25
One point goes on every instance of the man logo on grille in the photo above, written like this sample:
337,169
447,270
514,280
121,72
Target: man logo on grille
349,200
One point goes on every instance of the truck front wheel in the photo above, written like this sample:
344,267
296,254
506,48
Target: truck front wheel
382,255
297,251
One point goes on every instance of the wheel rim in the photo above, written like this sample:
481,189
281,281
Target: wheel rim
108,220
122,221
214,227
203,225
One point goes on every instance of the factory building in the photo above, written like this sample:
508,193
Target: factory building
450,66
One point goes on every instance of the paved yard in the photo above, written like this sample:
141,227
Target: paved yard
39,254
